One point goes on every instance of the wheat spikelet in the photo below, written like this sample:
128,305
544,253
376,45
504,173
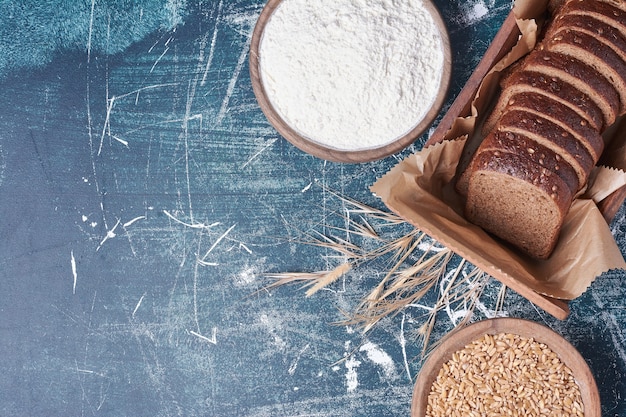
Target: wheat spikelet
329,278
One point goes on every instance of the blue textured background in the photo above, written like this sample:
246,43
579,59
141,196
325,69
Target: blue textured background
117,118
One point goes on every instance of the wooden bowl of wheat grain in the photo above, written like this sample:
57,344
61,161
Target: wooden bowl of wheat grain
505,366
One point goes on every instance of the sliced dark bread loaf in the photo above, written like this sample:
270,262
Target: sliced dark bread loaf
553,137
566,94
581,76
591,51
557,113
521,202
544,135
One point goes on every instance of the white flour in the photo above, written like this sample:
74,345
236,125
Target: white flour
381,358
351,74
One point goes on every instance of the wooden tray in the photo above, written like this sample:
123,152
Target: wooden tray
503,42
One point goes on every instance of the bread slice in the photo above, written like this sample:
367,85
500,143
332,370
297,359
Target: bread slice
528,150
610,12
523,203
553,137
581,76
592,26
591,51
520,82
557,113
531,150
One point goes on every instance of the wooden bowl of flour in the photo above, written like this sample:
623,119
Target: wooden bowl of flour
346,83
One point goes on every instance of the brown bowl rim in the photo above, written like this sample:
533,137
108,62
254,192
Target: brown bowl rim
338,155
458,339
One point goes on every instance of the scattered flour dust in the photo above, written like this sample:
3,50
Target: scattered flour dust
474,11
352,376
380,358
376,355
351,74
2,165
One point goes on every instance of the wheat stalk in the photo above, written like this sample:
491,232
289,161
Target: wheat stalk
315,280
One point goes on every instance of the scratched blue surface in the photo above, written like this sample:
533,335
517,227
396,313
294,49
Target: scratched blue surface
143,196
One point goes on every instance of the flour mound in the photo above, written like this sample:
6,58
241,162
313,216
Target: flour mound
351,74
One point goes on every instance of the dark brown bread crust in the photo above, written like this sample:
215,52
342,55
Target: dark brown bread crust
583,77
592,52
551,136
563,116
533,151
616,3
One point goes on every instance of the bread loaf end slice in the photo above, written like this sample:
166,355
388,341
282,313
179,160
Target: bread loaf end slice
522,203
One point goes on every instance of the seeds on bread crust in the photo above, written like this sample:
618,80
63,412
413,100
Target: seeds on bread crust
556,112
551,136
533,151
592,26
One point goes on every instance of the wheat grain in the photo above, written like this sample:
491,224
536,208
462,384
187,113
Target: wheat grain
508,374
